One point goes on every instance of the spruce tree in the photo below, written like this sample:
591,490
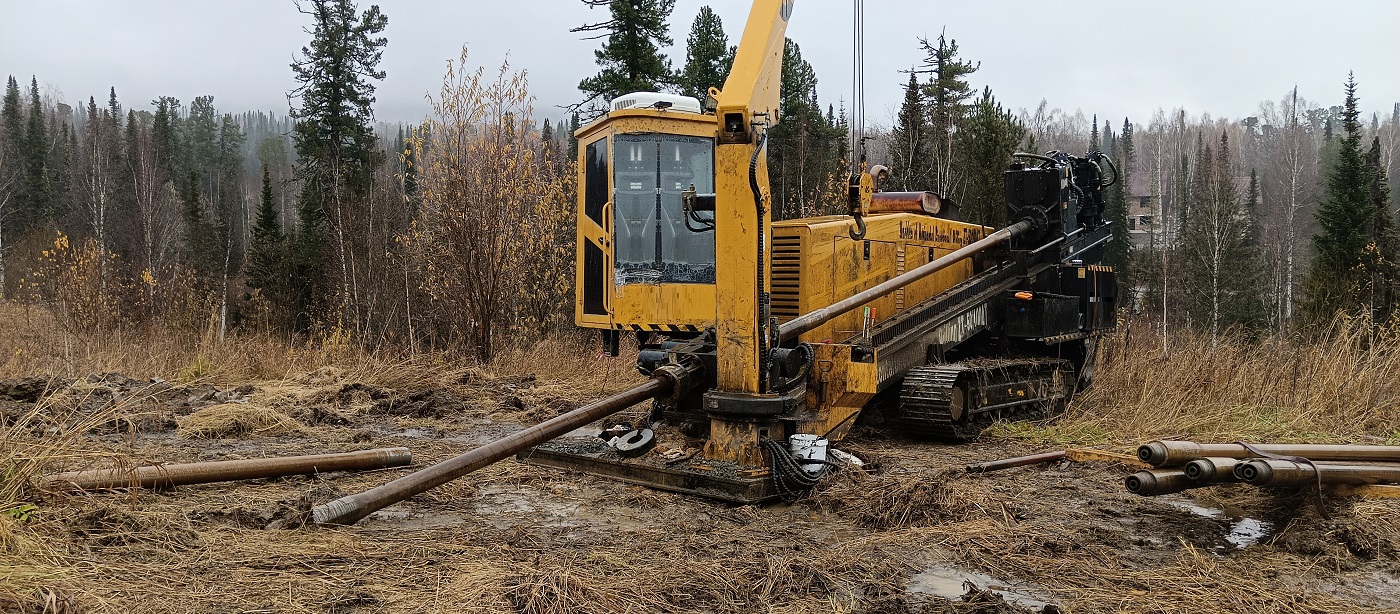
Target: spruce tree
11,122
336,148
37,201
1344,223
630,57
909,164
706,56
985,141
1119,252
267,255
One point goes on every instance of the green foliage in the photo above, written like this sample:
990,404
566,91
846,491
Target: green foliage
630,57
909,163
1119,252
984,143
37,190
1222,274
804,149
22,512
707,56
336,147
946,93
1353,229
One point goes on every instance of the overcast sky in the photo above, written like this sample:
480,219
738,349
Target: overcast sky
1114,58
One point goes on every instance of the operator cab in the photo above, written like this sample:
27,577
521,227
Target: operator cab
644,262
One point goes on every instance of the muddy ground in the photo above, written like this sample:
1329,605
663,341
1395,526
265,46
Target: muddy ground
918,536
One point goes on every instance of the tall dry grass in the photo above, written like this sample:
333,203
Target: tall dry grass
1344,387
33,342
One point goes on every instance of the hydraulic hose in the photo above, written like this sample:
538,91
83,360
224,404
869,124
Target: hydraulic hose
763,298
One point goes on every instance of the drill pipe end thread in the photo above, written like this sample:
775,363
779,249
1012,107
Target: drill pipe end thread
1157,482
1154,453
1211,470
344,511
1252,471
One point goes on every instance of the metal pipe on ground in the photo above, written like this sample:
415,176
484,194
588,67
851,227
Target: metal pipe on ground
1212,470
1178,453
1020,461
1149,482
165,476
812,319
1273,472
351,508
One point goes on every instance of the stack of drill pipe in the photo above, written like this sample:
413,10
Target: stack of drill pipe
1179,465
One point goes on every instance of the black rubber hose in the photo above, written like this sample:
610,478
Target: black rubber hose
763,308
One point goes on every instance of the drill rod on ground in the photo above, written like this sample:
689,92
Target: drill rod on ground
164,476
350,509
1178,453
1020,461
815,318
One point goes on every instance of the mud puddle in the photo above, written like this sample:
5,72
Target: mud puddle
951,582
1244,531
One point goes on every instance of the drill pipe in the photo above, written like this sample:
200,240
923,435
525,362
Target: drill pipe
350,509
1212,470
1178,453
1019,461
1150,482
815,318
913,202
163,476
1270,472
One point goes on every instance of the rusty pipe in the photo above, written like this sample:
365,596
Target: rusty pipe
1212,470
1273,472
1020,461
351,508
911,202
1178,453
813,319
1150,482
164,476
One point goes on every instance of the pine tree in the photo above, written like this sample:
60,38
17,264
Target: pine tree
1379,268
268,267
1344,223
707,52
1094,134
909,164
802,149
985,141
1222,289
38,204
11,122
947,93
199,233
336,147
630,58
1119,252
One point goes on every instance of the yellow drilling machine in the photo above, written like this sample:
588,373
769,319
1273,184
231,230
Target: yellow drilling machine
763,341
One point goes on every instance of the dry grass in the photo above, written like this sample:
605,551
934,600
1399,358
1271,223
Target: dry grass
1345,388
235,420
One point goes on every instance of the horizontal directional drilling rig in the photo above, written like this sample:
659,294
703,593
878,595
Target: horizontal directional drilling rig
756,331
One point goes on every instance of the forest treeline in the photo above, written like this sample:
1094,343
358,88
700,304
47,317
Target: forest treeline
323,225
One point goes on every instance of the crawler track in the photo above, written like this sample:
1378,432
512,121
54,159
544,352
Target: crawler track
957,401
